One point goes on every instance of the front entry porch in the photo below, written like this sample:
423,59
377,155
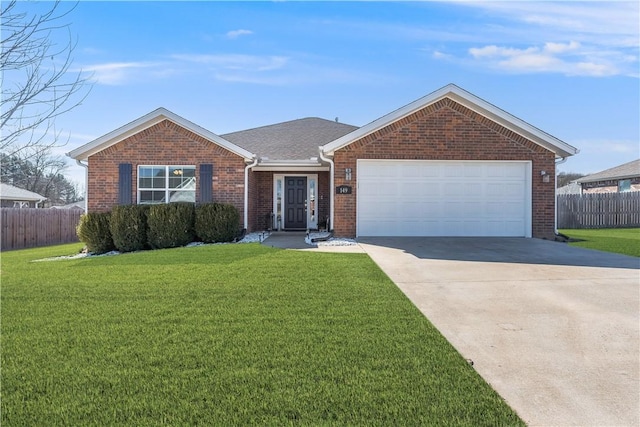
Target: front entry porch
288,200
295,202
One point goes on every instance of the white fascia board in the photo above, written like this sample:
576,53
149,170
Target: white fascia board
145,122
274,168
560,148
290,165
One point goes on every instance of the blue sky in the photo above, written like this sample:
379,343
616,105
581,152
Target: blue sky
568,68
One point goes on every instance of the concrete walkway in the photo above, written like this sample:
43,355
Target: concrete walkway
554,329
295,240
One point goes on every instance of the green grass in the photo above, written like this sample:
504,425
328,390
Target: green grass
619,240
225,335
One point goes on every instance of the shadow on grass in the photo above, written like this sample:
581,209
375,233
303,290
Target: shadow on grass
202,255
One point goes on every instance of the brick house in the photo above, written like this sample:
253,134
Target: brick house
619,179
448,164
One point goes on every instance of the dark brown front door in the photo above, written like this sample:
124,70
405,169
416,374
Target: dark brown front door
296,202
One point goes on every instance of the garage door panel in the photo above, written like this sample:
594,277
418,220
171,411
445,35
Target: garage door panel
438,198
411,171
473,171
453,171
454,190
513,170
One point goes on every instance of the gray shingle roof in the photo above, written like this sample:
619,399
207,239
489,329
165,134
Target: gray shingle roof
292,140
627,170
9,192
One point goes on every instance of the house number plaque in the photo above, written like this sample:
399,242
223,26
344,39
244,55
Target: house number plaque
343,189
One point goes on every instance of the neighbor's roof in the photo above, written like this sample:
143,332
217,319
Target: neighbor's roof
292,140
9,192
480,106
75,205
571,188
145,122
627,170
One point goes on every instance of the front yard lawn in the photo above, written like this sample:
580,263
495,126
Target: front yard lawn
225,335
620,240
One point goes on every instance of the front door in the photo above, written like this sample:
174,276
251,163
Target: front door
296,202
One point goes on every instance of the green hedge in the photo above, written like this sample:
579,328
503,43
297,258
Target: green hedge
137,227
217,222
129,227
94,231
170,225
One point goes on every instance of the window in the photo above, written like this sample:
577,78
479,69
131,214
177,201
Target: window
624,185
278,224
166,184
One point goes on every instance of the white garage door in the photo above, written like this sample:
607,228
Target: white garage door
443,198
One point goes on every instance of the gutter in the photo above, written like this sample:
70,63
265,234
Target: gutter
86,184
331,186
555,195
246,190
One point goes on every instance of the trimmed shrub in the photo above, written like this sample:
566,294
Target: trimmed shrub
93,230
217,222
170,225
129,227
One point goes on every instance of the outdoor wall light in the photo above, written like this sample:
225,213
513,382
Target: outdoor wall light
347,174
545,176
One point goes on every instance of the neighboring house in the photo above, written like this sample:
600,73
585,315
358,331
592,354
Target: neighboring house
571,188
448,164
619,179
73,206
14,197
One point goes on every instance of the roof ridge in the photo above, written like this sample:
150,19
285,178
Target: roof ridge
287,122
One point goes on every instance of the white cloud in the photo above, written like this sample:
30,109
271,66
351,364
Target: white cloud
566,58
440,55
556,48
117,73
234,34
572,38
236,61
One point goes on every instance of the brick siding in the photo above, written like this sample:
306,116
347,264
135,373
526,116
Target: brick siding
165,143
447,130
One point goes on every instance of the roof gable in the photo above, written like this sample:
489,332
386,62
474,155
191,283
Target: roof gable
147,121
468,100
627,170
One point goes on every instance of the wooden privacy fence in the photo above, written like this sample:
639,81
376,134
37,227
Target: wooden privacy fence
602,210
29,228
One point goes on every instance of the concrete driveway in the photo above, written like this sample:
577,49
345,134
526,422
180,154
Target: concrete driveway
554,329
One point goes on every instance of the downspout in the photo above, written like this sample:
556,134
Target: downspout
246,191
555,195
331,185
39,201
86,184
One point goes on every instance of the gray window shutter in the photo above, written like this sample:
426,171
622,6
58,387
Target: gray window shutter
206,183
124,183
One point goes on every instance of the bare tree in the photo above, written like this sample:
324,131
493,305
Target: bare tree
38,170
37,82
565,178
